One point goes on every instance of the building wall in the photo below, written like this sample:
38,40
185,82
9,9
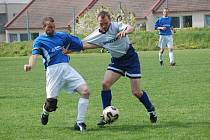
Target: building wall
18,32
199,18
21,31
2,37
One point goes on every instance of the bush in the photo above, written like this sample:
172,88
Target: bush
189,38
15,49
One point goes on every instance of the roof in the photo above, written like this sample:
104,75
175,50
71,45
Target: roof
61,10
138,7
183,6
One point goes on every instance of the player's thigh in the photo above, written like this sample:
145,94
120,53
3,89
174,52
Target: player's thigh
73,80
54,81
110,77
162,41
170,42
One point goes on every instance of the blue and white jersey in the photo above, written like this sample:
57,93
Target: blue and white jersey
116,47
50,47
164,22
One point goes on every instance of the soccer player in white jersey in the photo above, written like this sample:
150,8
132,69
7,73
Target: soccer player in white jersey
124,62
164,25
59,74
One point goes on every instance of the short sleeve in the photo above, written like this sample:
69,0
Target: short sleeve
95,38
36,48
73,43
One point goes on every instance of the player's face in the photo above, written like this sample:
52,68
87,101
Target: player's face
49,28
165,12
104,23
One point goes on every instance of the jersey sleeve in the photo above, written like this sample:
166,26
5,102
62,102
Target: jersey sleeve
157,24
73,43
36,48
94,38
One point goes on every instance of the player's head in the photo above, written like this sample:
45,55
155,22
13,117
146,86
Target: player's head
165,12
48,25
104,20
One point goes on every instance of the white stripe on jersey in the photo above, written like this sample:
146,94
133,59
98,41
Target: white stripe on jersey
46,55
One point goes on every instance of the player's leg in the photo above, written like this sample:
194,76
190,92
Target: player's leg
142,96
171,50
161,56
53,86
83,102
75,82
133,71
110,78
162,45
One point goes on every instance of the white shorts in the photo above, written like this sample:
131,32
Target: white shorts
166,41
62,76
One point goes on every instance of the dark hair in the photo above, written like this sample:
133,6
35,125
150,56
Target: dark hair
50,19
103,14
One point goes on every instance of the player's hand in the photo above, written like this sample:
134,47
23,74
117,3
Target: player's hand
27,67
163,28
121,34
174,30
66,51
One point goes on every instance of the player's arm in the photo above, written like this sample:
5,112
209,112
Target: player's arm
87,45
31,63
158,26
125,31
71,44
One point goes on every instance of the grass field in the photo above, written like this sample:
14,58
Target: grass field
181,95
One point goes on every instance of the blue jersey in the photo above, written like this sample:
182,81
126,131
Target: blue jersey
164,22
50,47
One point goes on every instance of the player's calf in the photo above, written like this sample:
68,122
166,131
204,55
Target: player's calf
50,105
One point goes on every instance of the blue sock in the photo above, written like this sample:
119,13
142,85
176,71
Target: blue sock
106,97
146,102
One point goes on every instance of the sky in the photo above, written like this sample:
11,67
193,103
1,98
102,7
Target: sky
14,1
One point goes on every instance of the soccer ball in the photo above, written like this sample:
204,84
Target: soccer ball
110,114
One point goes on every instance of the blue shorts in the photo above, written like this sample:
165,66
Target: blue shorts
127,65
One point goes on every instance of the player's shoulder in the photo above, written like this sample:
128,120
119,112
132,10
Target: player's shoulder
61,33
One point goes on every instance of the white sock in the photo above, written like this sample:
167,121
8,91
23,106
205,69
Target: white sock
82,109
171,57
160,56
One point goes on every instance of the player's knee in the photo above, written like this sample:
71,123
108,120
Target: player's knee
171,50
137,94
106,85
50,104
85,92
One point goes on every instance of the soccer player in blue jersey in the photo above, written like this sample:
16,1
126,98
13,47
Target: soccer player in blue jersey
164,25
59,74
124,62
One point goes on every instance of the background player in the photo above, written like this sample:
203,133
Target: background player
164,25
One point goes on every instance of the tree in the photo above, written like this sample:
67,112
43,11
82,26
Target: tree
88,23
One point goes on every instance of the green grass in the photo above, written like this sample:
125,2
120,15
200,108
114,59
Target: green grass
181,95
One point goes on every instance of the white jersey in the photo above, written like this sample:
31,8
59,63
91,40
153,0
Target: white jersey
116,47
